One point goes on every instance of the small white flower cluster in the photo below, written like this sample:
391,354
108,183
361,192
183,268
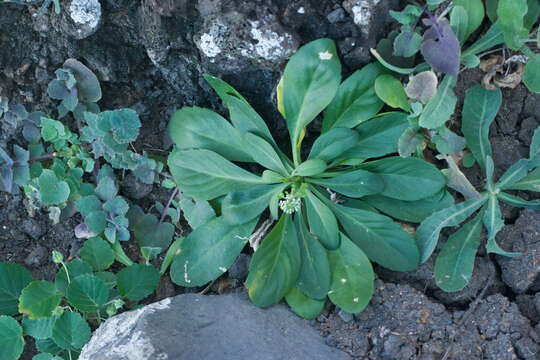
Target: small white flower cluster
290,204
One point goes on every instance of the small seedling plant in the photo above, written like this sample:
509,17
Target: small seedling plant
328,227
455,261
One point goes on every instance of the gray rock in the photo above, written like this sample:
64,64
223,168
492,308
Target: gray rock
527,307
521,273
509,113
336,15
32,228
133,188
36,256
531,107
537,302
506,151
240,268
526,131
200,327
345,316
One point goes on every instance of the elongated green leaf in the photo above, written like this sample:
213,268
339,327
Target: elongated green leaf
515,173
310,167
352,277
322,222
314,277
11,338
263,153
455,262
439,109
98,253
241,206
355,183
137,281
531,182
475,14
275,266
534,149
39,299
531,73
87,293
457,180
427,234
209,251
494,222
205,175
310,81
479,110
406,178
75,268
517,201
355,101
511,14
459,21
39,329
194,127
222,88
493,37
171,254
379,136
71,331
13,279
395,249
412,211
533,10
303,305
390,90
331,144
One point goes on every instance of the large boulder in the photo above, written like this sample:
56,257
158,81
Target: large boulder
201,327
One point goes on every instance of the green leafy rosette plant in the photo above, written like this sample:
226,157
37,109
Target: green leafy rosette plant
328,228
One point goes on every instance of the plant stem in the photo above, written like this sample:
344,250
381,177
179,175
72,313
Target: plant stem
171,198
67,272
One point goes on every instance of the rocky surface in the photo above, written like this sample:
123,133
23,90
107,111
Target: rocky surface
208,327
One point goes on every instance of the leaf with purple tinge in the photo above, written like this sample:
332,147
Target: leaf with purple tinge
440,48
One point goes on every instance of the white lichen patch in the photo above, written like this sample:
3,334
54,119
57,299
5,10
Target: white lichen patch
343,281
85,12
325,55
208,45
355,299
363,11
186,278
268,45
223,269
301,10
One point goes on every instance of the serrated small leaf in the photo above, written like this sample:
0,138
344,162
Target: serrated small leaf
38,329
13,279
137,281
98,253
52,190
71,331
11,338
106,189
39,299
96,222
87,293
88,204
75,268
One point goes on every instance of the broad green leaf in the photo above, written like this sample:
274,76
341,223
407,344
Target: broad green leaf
459,21
13,279
455,262
75,268
38,329
390,90
395,249
331,144
322,222
479,109
411,211
48,346
531,73
71,331
52,190
88,204
441,106
379,136
39,299
98,253
46,356
207,252
241,206
150,233
407,43
427,234
515,173
493,37
263,153
11,338
517,201
314,277
494,222
303,305
196,212
310,82
275,266
108,278
354,184
194,127
511,14
352,277
204,175
408,15
87,293
310,167
406,179
137,281
475,14
531,182
355,100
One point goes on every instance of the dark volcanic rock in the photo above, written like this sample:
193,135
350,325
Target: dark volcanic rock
200,327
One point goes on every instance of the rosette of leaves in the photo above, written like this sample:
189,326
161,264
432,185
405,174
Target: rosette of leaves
455,262
77,87
429,106
57,314
318,247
